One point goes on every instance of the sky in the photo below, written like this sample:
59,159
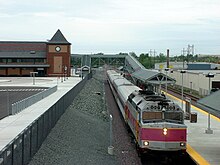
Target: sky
114,26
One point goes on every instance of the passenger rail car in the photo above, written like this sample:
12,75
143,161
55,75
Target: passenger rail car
156,122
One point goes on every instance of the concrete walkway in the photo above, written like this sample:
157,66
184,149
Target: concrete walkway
11,126
202,147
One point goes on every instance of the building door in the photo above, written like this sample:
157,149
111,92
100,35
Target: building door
58,64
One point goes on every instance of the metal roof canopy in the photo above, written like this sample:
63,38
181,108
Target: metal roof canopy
138,71
24,54
24,65
152,77
211,101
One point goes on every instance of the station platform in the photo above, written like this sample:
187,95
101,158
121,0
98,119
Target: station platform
13,125
203,148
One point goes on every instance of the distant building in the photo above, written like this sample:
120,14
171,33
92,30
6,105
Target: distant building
50,58
188,66
208,55
172,65
203,66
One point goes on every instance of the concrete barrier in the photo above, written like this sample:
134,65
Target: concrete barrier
25,145
22,104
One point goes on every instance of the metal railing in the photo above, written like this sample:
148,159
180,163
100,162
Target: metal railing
23,147
21,105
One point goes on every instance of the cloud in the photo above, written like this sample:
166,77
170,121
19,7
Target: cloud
110,25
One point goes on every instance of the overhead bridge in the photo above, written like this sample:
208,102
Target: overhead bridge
133,69
97,60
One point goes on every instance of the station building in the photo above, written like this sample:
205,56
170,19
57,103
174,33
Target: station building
51,58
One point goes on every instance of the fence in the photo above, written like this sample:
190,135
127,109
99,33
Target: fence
26,144
21,105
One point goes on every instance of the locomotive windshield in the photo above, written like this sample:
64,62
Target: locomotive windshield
174,117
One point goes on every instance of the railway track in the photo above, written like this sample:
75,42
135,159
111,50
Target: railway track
178,94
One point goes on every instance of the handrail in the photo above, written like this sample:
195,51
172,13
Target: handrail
22,104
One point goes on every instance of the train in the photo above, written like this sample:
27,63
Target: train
157,123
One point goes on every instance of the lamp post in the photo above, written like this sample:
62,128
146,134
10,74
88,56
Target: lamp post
110,148
8,108
65,69
166,70
209,130
64,73
182,72
33,75
190,86
60,68
81,68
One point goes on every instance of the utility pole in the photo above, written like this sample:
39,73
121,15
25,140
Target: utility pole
154,58
190,51
152,54
183,54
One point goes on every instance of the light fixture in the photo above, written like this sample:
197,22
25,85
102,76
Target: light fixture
146,143
182,144
165,131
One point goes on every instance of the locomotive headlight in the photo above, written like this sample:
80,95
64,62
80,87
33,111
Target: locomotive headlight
165,131
146,143
182,144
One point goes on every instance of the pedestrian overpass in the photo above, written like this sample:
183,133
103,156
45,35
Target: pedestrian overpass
133,69
98,60
145,78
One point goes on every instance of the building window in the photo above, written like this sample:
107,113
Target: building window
27,60
2,60
40,60
14,60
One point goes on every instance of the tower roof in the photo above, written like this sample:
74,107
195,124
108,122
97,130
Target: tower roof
58,38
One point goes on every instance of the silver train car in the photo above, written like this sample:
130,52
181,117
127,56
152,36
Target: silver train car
156,122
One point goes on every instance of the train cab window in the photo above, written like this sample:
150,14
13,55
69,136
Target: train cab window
176,117
151,116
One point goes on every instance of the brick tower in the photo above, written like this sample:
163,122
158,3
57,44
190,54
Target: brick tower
58,55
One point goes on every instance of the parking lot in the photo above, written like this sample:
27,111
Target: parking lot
10,95
13,89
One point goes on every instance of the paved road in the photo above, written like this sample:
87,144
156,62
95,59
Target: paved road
10,95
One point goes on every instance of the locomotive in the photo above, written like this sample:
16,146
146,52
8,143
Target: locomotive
156,122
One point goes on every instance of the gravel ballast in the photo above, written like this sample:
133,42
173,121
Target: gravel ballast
81,136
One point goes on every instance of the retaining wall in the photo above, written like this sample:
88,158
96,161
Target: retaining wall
23,147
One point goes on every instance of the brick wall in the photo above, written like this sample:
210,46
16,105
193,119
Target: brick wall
63,55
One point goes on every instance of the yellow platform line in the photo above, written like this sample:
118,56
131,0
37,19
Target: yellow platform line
196,156
196,108
193,154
